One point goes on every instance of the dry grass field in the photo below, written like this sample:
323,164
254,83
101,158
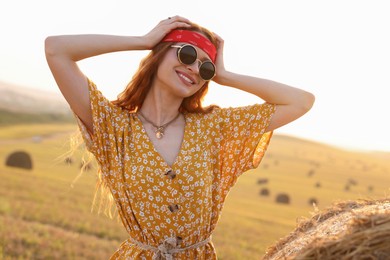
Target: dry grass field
42,216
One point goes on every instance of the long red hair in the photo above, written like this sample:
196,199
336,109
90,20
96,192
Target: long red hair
136,90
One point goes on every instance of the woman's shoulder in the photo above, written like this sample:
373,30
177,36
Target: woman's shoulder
221,114
216,113
207,113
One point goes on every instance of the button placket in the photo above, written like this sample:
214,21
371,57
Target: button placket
170,174
179,240
173,204
173,208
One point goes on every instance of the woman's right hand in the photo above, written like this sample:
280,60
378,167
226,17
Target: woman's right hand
163,28
64,51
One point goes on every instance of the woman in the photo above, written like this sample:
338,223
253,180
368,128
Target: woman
168,162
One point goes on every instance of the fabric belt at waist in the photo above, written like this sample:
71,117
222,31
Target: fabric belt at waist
167,248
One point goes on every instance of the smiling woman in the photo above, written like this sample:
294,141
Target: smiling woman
169,162
336,59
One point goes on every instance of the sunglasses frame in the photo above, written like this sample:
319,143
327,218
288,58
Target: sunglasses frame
180,47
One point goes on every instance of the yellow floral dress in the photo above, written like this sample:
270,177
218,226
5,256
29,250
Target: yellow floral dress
170,212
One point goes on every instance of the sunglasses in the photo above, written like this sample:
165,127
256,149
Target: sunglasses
188,55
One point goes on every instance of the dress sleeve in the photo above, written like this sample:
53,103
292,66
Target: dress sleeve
244,140
108,129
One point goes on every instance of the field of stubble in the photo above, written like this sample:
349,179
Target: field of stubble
43,217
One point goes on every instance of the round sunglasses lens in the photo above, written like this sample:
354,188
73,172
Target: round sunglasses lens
187,55
207,70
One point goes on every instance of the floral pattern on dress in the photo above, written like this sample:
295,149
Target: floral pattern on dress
216,149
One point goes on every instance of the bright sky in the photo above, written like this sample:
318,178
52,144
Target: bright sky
336,49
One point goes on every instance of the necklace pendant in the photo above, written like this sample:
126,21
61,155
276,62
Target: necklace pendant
159,132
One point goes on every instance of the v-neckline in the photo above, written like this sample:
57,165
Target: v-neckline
157,153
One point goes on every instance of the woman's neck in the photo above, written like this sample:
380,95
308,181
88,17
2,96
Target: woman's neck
160,106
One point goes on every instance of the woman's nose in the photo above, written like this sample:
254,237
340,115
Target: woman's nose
195,66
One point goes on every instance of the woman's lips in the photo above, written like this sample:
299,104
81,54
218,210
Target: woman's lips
185,78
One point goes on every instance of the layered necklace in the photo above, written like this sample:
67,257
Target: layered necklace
159,129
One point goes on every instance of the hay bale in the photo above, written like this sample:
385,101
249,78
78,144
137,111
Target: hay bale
347,230
352,182
262,181
283,198
264,192
310,173
19,159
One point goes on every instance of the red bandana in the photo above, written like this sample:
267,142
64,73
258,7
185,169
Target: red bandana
194,38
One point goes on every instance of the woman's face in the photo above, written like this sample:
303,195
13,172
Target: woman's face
180,79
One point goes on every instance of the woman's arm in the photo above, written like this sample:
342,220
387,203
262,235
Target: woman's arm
291,103
63,52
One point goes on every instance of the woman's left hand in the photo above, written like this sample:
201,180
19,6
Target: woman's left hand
219,64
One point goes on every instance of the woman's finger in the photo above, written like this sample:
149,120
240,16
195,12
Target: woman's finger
219,40
178,25
174,22
178,18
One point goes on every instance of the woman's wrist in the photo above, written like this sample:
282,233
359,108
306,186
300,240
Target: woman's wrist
140,43
223,78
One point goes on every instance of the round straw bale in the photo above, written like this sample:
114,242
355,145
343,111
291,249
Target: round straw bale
310,173
352,182
19,159
347,230
264,192
262,181
283,198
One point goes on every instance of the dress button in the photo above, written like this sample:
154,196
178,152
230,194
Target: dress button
179,240
171,174
173,207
